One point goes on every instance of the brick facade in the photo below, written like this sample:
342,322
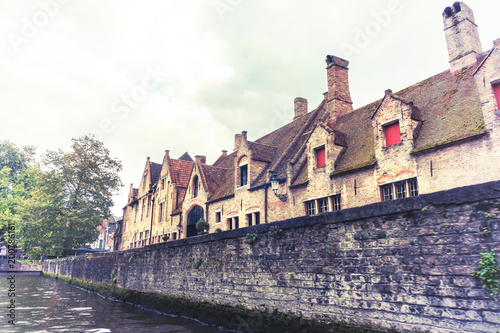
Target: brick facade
447,135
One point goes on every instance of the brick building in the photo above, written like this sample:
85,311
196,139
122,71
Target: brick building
438,134
107,230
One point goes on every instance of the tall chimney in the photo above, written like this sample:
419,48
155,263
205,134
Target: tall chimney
300,107
462,38
338,97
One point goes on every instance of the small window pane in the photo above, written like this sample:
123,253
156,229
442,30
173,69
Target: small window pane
412,183
311,207
323,205
401,190
337,205
387,192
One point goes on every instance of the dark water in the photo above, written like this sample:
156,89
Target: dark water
45,305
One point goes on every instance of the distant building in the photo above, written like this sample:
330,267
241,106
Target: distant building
438,134
107,230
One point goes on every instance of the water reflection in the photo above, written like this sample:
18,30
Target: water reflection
45,305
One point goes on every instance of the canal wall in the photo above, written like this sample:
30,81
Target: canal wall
405,264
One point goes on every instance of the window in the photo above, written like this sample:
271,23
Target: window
399,190
323,205
253,218
217,217
243,175
143,207
149,206
337,204
387,192
162,209
412,183
163,184
392,134
256,218
174,236
320,157
496,91
233,222
311,207
195,187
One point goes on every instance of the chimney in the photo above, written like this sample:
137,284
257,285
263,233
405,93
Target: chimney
239,139
300,107
462,38
338,97
224,153
201,159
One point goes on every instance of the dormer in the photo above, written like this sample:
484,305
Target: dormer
324,148
396,122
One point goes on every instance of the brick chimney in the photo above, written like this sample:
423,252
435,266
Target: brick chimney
338,97
201,158
300,107
239,139
462,38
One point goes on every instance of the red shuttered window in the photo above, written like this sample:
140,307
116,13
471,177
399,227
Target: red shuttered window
320,157
392,134
496,90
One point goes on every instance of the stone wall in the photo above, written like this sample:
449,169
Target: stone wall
404,264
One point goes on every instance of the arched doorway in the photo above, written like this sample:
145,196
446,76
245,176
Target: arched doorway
194,216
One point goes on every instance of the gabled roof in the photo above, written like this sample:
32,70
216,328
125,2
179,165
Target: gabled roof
155,169
262,152
185,157
180,171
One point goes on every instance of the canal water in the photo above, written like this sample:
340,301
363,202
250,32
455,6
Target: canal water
37,304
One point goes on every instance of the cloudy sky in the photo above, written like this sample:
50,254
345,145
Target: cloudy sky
145,76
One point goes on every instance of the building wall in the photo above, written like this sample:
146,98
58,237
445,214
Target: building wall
404,264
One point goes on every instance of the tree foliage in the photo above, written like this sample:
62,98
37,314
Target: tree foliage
57,208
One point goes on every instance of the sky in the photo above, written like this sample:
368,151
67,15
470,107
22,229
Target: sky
147,76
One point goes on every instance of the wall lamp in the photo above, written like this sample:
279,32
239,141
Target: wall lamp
275,184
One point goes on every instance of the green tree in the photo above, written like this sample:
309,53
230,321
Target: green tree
89,179
59,207
17,180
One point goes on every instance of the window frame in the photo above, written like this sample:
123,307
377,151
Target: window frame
390,191
244,175
320,156
389,130
196,186
495,85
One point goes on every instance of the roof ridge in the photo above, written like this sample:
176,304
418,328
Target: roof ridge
297,136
